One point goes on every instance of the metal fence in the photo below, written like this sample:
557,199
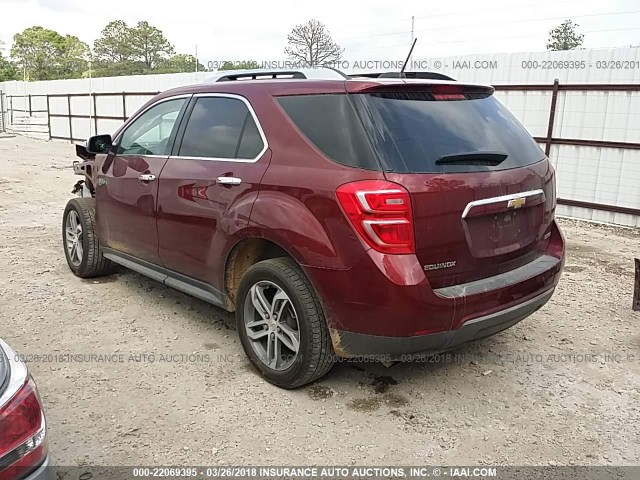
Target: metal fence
28,110
94,116
549,140
14,113
3,127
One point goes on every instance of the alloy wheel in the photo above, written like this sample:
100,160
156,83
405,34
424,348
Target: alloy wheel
272,326
73,237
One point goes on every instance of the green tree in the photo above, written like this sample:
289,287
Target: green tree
311,45
46,55
565,37
73,57
180,63
149,45
114,45
124,50
8,69
246,65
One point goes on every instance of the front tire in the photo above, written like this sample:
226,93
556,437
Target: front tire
281,324
80,240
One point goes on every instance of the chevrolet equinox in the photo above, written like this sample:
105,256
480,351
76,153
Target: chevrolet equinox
379,216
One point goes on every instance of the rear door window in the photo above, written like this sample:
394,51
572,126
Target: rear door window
221,128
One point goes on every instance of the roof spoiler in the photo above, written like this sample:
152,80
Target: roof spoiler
417,75
443,91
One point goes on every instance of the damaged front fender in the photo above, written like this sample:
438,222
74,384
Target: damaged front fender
84,188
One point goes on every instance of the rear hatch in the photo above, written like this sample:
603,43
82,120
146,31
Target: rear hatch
482,191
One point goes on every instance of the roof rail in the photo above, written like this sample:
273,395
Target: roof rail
418,75
321,73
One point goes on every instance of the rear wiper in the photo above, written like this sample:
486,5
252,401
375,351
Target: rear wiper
474,158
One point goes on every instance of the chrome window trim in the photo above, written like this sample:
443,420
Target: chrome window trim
503,198
265,144
137,115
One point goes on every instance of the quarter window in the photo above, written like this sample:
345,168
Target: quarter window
221,127
149,134
332,125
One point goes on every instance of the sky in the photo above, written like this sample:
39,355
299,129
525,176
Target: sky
373,30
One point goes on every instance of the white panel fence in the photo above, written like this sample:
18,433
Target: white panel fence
588,122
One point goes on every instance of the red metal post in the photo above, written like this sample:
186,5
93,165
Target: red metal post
552,116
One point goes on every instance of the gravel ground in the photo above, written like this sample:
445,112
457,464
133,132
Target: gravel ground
172,385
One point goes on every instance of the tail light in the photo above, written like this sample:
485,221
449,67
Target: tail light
380,211
23,444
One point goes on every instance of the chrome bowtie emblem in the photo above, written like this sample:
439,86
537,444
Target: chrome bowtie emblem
516,202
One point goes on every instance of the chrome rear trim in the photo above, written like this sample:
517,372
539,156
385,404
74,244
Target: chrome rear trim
503,198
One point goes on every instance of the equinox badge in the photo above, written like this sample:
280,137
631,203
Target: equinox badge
438,266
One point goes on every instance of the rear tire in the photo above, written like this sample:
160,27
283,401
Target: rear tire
290,295
80,240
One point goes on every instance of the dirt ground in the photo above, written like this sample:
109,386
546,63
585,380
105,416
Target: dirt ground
169,383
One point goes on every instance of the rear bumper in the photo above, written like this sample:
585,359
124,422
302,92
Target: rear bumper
383,348
389,297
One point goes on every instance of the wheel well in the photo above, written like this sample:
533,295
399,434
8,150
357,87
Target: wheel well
245,254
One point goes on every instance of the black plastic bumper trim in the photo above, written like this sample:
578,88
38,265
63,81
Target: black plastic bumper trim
405,348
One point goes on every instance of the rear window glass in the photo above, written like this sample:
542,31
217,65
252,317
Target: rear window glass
331,123
417,133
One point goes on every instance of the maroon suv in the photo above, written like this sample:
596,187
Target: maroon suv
378,217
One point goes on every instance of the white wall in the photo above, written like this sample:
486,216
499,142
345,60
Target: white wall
599,175
107,106
510,67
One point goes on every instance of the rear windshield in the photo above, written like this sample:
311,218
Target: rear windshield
413,132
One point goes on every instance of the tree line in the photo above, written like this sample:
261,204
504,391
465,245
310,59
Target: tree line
38,53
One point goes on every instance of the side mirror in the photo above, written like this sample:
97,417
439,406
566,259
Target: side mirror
99,144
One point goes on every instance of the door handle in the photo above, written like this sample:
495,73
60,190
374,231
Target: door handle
228,181
147,177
